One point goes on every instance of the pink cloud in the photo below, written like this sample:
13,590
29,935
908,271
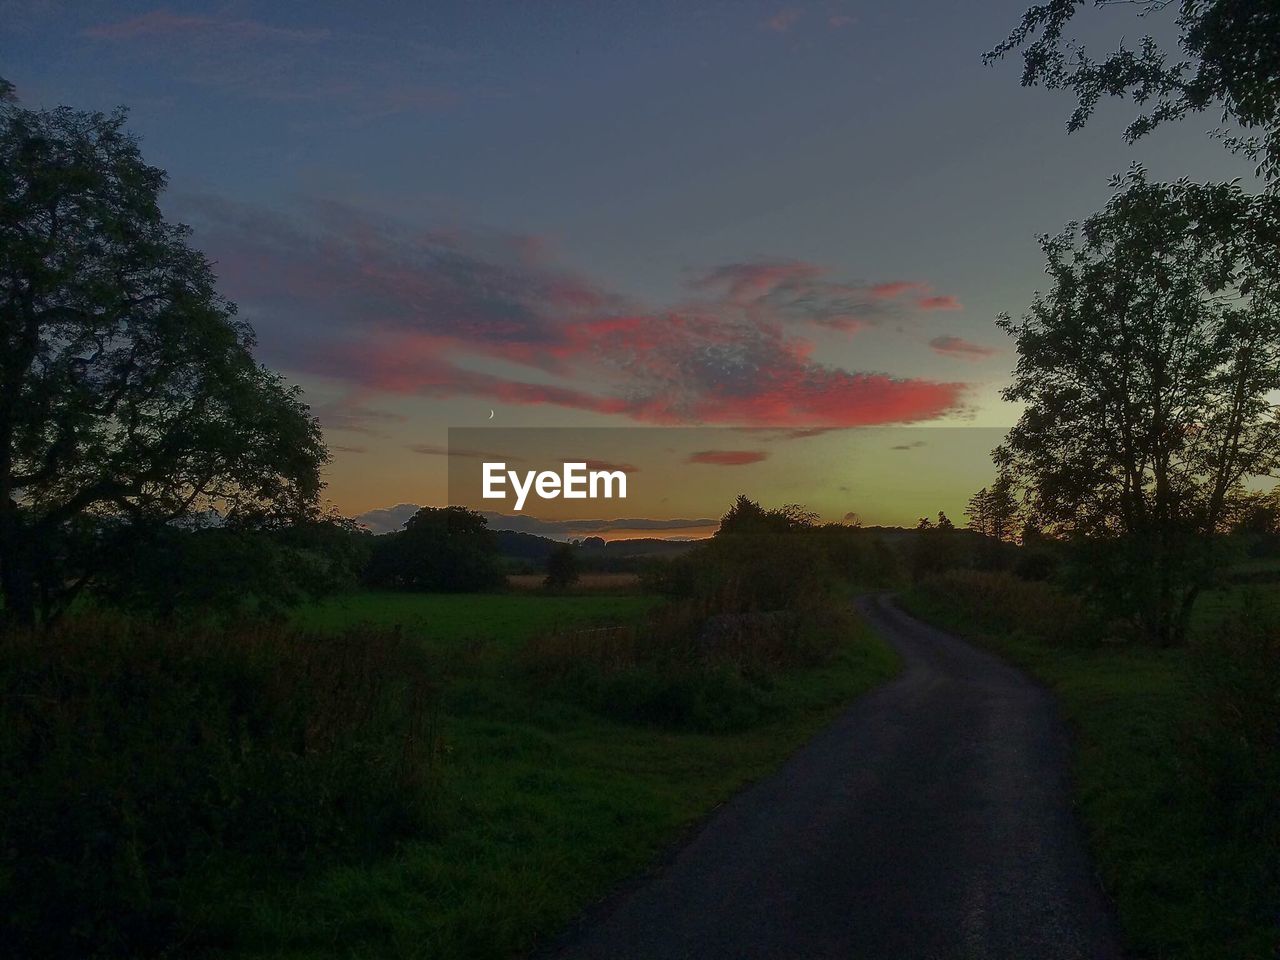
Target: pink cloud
727,458
896,288
840,21
939,303
783,20
390,310
950,346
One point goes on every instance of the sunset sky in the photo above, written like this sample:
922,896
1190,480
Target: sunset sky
801,217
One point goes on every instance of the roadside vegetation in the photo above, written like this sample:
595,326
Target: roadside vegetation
400,772
1177,751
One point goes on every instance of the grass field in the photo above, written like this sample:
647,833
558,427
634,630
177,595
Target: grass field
448,622
1183,888
546,805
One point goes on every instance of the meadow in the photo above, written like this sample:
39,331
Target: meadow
546,804
387,774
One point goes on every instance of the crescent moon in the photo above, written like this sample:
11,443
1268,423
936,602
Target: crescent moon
490,414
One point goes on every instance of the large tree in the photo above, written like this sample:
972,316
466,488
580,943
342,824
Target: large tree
128,391
1228,58
1147,373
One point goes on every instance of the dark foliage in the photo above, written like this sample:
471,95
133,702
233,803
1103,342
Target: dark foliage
228,573
128,388
562,567
449,549
1228,57
142,765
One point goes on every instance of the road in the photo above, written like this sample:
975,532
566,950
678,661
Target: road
931,821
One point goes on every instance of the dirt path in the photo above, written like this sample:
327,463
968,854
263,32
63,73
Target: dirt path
931,820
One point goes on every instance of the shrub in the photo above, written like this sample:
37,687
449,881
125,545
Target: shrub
1004,603
448,549
562,567
684,666
143,766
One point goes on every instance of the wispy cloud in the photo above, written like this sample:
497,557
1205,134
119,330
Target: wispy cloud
390,309
784,19
939,303
439,450
950,346
727,458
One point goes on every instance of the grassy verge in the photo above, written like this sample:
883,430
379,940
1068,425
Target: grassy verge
1188,877
549,804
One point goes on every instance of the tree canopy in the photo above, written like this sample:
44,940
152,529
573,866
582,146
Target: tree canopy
1228,55
1146,373
128,387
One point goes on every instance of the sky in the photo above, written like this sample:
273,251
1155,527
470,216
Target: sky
799,218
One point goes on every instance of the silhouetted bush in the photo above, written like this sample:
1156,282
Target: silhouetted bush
1002,602
143,767
228,573
562,567
447,549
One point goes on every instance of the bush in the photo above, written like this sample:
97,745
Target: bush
562,567
448,549
1004,603
144,767
685,667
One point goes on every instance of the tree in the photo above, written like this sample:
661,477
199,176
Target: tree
993,511
450,549
1145,374
1229,56
128,390
562,567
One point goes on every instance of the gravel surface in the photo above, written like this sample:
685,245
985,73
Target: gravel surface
931,820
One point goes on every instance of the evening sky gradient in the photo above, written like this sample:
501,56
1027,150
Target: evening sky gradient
796,216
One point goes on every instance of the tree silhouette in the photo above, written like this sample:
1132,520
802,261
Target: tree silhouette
1229,56
562,567
1145,373
128,392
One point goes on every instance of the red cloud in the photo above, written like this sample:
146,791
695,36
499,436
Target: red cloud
939,303
727,458
896,288
385,309
950,346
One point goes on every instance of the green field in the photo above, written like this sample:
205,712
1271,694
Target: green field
546,806
447,622
1185,884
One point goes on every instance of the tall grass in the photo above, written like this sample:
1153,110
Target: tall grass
146,769
702,663
1003,603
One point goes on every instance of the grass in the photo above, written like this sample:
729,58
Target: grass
447,622
1184,887
548,805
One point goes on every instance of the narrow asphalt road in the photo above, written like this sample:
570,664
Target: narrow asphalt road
931,821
